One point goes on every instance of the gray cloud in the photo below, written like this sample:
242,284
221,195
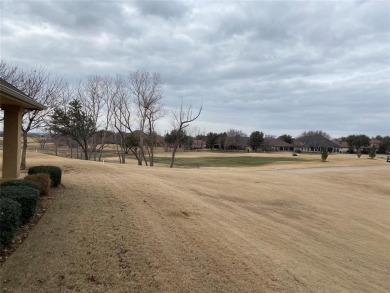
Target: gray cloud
164,9
280,66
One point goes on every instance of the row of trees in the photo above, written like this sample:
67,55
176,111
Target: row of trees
236,139
121,103
131,106
128,106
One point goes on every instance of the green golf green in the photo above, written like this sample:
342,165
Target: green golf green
240,161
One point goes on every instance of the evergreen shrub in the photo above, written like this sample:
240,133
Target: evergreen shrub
16,182
324,153
372,153
27,197
54,172
10,212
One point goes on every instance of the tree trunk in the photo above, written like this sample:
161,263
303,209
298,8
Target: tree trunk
139,157
24,150
86,154
102,146
91,148
151,147
100,154
141,144
122,150
119,151
173,155
123,153
151,155
84,146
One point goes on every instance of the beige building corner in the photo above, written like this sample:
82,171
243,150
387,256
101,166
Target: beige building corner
13,103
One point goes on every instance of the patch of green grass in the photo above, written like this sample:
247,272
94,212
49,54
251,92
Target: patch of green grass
241,161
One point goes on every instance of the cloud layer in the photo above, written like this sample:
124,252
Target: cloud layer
278,67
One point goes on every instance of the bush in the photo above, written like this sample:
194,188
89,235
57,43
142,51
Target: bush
372,153
10,212
54,172
42,179
32,184
26,196
324,153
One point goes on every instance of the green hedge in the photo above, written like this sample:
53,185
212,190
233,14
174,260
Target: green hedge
28,183
54,172
10,212
26,196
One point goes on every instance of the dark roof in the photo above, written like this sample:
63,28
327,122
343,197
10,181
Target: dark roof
341,143
315,141
4,83
274,142
10,92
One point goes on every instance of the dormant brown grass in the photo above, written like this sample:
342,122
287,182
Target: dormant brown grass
125,228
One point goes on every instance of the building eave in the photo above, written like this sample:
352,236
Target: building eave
9,96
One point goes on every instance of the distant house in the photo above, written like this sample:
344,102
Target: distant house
373,143
197,144
274,144
344,147
313,144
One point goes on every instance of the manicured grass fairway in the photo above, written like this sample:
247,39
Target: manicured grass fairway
241,161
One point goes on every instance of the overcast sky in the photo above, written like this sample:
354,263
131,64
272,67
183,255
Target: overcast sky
274,66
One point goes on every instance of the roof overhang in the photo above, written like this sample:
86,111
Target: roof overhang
9,96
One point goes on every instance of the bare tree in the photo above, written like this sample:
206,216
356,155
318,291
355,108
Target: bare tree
109,92
123,118
40,85
42,140
200,139
153,113
97,96
266,145
314,133
182,120
89,93
235,139
147,91
11,73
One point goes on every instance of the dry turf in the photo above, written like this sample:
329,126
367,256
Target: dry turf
285,227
